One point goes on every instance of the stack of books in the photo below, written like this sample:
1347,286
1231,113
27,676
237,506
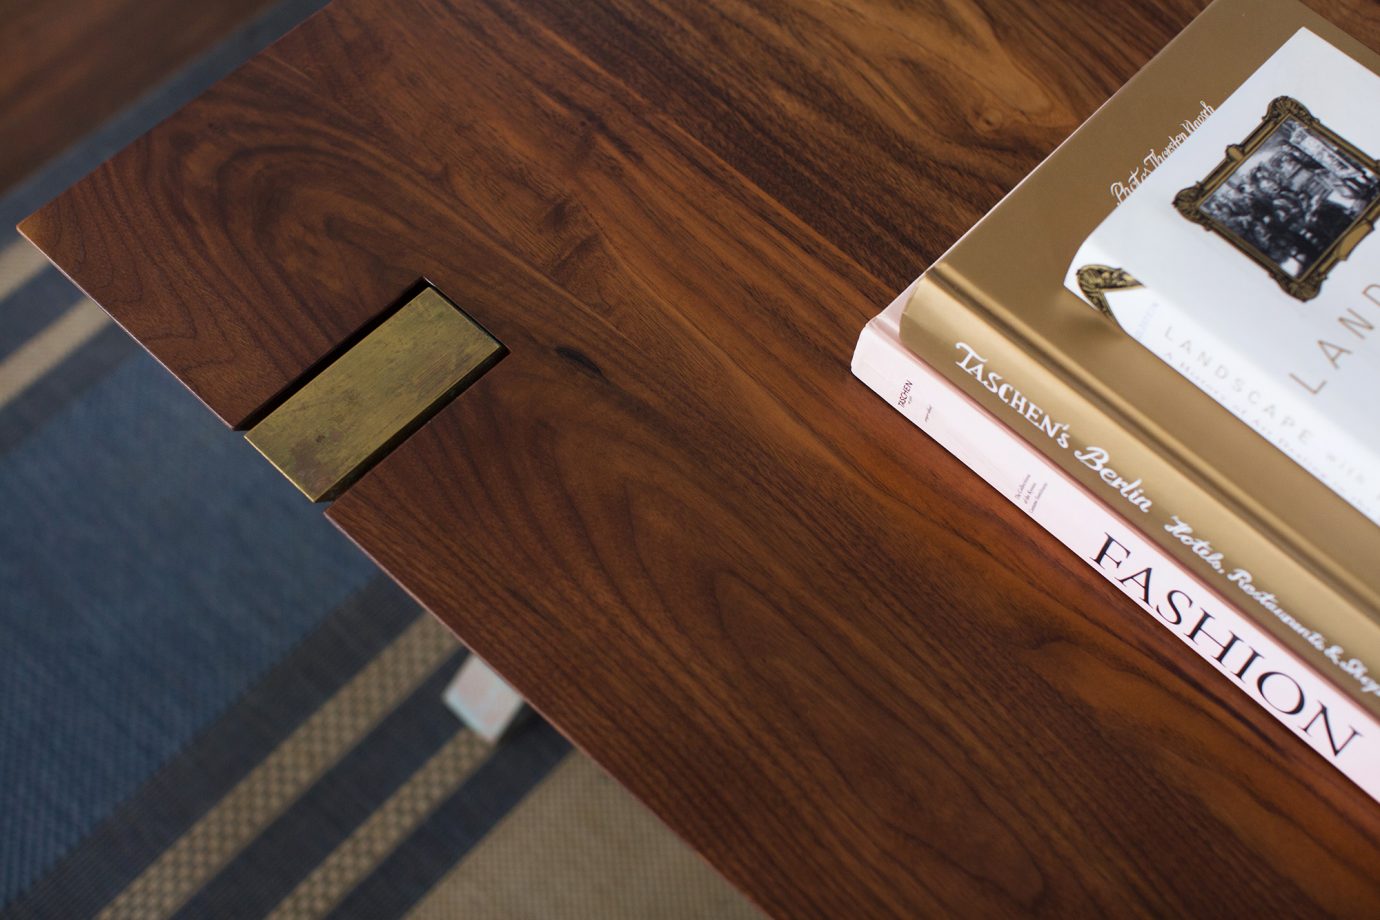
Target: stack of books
1164,346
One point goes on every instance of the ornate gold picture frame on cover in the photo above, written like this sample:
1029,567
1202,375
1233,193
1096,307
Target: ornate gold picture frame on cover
1294,196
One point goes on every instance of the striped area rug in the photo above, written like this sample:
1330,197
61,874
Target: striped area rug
211,704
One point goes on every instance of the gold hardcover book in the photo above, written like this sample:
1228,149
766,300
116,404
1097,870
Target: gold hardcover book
994,317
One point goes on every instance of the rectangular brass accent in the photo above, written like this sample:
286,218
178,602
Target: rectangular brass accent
369,399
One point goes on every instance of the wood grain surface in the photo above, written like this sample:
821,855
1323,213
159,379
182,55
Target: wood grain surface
68,65
854,677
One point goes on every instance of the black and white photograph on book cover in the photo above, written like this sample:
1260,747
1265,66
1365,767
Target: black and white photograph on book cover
1295,196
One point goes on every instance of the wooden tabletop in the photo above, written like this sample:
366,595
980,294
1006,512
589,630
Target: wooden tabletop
855,678
68,65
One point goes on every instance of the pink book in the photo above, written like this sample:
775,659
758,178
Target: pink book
1273,677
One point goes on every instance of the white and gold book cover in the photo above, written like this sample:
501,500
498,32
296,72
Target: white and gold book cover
1246,261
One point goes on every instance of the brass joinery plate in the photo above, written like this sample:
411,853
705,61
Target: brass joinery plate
374,395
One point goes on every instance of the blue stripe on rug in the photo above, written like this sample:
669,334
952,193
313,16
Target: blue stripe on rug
150,821
518,765
286,851
188,568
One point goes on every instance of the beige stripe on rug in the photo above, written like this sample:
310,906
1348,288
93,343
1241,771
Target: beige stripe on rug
580,846
27,364
442,774
286,773
19,261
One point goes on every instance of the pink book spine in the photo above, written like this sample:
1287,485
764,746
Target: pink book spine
1273,677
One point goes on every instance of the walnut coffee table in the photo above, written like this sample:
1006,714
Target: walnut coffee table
851,675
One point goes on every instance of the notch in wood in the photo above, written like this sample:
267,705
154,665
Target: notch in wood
369,399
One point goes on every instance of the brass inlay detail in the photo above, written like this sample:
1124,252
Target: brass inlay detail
1096,280
369,399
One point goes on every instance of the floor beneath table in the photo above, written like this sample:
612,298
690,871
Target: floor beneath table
213,704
